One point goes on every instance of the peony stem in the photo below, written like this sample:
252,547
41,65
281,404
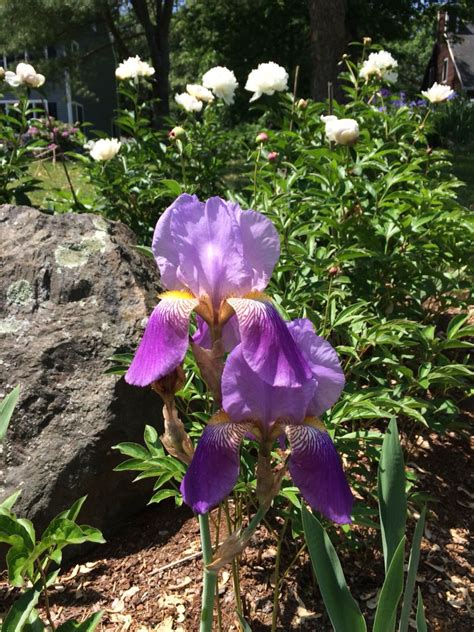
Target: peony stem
209,576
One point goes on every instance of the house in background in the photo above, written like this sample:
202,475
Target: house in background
452,59
97,98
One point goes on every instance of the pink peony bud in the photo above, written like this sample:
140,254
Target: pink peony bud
272,156
261,138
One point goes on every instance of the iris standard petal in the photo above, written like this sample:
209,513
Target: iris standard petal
316,469
323,362
163,246
230,334
215,466
207,240
165,340
246,396
267,344
261,245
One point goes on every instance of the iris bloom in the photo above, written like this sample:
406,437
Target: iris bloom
252,406
216,259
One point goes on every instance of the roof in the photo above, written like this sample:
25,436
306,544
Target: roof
462,48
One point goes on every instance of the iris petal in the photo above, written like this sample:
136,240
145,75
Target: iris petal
261,245
207,244
215,466
323,362
246,396
214,248
167,256
316,469
267,345
165,340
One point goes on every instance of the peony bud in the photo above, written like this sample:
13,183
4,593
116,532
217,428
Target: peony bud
334,271
272,156
302,104
261,138
176,132
2,74
367,41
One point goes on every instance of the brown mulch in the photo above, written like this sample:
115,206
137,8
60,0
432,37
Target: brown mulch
148,576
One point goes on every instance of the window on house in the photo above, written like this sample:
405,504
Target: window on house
444,73
51,52
53,109
77,112
74,46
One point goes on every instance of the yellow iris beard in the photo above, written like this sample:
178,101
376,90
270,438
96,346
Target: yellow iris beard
316,423
175,295
258,296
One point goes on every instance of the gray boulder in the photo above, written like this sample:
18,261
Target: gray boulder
73,291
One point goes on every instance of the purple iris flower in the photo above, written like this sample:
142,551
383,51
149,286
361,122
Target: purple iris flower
215,259
252,406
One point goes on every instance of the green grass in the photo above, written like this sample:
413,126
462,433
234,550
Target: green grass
55,192
463,168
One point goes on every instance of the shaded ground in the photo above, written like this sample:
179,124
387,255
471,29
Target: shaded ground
147,577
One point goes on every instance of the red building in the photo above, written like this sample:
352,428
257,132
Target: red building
452,59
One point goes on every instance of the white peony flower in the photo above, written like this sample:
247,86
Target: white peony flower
132,68
437,93
222,82
105,149
381,64
188,102
341,131
199,92
267,79
25,75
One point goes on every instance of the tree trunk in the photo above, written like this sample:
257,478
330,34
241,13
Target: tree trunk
328,41
157,37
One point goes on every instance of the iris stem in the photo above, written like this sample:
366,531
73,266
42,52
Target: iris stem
257,160
209,577
218,603
278,580
235,564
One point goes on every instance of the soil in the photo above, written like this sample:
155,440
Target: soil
148,576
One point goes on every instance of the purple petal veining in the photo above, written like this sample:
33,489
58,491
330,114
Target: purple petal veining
215,466
164,342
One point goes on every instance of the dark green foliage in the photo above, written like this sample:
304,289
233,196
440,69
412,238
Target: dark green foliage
30,558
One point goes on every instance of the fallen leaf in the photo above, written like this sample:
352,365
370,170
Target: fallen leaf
130,592
117,606
187,580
